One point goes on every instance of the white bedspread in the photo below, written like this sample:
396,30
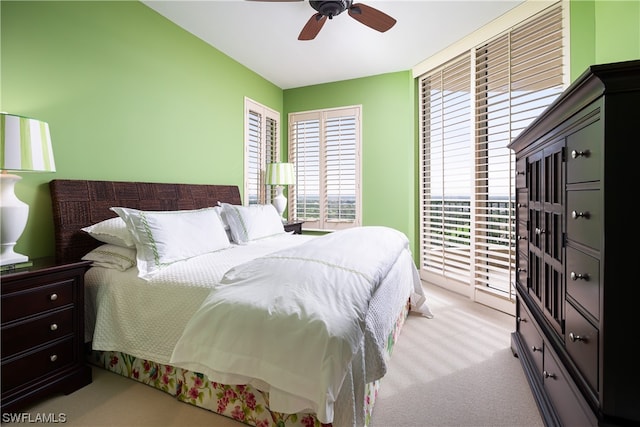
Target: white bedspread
146,318
295,319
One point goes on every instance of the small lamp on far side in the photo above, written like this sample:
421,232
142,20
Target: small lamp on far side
280,174
25,145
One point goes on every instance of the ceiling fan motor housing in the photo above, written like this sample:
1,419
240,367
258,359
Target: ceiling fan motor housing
331,8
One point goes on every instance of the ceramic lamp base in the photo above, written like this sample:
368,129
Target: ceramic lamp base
280,202
13,219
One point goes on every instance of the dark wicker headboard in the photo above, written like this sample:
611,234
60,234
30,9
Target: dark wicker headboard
80,203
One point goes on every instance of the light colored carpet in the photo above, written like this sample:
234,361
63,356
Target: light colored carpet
453,370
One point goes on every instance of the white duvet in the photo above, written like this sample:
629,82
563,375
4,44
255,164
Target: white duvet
145,318
294,322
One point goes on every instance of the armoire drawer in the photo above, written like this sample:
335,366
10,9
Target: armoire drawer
530,335
521,173
583,280
521,271
566,399
584,154
581,342
523,243
522,203
584,220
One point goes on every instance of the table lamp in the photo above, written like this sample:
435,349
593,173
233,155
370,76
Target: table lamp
280,174
25,145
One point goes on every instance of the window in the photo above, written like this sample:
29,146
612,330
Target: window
324,147
261,146
471,108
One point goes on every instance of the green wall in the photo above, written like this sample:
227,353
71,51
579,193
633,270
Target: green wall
128,95
131,96
388,173
603,31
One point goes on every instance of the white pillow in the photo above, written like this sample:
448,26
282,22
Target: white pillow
113,231
252,222
164,237
112,256
227,229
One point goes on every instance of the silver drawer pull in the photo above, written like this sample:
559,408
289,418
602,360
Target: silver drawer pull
521,319
577,276
53,297
534,348
53,357
522,237
53,327
576,215
575,154
522,270
520,172
539,231
573,337
548,374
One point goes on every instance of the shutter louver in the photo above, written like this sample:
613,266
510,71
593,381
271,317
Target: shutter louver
446,181
468,172
262,146
305,152
324,148
340,169
517,76
254,156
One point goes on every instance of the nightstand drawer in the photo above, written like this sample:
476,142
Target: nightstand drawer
32,366
42,332
32,301
37,331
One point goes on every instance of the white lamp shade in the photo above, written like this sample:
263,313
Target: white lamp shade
280,174
25,144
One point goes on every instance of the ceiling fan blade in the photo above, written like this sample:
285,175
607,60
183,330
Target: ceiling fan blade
371,17
312,27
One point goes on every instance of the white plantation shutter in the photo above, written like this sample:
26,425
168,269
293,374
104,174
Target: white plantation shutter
324,147
447,163
517,76
304,153
467,232
341,171
262,146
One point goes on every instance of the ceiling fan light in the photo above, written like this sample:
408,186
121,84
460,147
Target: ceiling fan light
331,8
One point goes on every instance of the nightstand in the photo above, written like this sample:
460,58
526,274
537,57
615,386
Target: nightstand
42,332
295,226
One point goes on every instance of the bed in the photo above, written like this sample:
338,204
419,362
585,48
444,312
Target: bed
151,304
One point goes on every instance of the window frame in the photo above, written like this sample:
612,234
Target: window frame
471,286
329,123
266,134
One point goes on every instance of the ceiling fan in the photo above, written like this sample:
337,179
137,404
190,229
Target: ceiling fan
362,13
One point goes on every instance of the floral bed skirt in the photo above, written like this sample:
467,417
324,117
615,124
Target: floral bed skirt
243,403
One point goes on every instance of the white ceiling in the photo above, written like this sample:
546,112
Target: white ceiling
263,35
